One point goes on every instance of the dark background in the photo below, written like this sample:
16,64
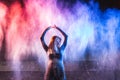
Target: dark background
103,4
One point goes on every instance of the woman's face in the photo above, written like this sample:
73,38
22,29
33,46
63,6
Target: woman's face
57,41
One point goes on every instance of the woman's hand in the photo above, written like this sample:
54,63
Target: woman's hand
48,28
54,26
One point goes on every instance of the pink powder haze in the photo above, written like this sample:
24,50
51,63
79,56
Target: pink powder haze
22,25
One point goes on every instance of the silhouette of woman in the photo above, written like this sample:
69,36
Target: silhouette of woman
55,68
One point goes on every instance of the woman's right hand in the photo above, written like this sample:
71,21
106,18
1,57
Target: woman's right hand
54,26
48,28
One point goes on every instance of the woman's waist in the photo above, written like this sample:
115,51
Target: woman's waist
55,56
55,62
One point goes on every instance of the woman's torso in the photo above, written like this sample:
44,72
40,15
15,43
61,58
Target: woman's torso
55,58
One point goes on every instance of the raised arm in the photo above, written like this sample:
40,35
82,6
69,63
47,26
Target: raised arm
43,41
65,38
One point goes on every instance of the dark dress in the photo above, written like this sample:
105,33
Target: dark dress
55,69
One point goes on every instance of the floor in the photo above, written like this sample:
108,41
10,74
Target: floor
83,70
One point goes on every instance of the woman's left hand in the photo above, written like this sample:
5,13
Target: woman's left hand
54,26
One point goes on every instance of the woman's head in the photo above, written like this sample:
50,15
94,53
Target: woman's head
55,41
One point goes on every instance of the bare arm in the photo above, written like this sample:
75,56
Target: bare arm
65,38
43,41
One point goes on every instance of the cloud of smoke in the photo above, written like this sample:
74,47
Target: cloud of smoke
3,10
85,25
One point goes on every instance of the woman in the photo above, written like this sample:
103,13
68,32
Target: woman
55,68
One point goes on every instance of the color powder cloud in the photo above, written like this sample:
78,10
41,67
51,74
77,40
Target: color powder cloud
85,25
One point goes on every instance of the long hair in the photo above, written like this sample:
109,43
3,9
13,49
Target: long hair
51,44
